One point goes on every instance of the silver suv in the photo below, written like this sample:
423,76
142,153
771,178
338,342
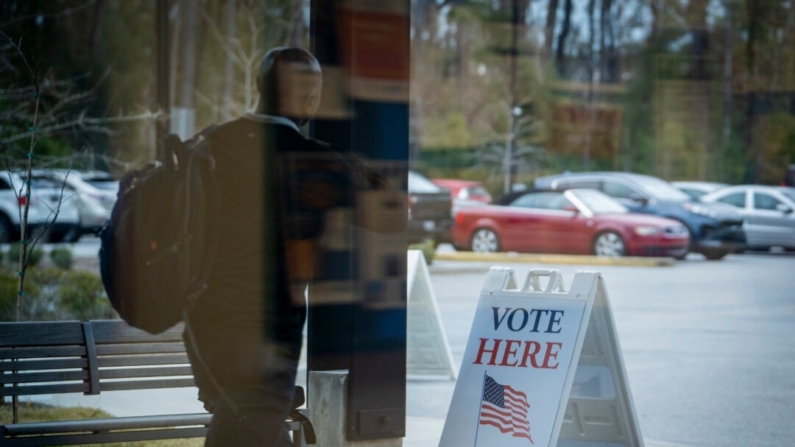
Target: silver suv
93,204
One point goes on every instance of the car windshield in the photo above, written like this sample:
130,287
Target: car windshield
598,202
420,184
661,190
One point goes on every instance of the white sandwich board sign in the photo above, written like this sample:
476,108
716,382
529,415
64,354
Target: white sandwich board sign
428,353
542,367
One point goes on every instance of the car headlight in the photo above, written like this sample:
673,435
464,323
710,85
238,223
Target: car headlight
701,209
646,231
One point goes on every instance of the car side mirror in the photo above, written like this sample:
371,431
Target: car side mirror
784,208
637,198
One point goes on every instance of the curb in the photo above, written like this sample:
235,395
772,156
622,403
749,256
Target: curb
626,261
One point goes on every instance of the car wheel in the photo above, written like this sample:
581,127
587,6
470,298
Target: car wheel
485,241
609,243
7,230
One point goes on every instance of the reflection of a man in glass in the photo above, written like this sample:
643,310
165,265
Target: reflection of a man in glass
244,334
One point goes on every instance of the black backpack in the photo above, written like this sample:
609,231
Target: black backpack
158,247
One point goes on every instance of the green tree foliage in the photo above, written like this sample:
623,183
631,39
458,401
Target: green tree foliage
703,88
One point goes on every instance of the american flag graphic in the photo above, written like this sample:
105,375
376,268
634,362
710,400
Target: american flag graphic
505,408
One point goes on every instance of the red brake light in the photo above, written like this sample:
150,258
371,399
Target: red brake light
459,218
22,200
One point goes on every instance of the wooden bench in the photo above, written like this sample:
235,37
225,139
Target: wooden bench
44,358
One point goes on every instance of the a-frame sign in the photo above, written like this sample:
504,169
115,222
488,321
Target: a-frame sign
542,367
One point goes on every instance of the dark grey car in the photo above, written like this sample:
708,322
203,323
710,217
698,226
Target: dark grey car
430,210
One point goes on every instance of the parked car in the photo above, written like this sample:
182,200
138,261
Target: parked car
101,180
93,205
769,213
576,221
698,189
715,231
45,198
429,210
464,193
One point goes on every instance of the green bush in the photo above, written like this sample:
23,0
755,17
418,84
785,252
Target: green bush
82,296
13,255
62,257
428,249
54,294
34,306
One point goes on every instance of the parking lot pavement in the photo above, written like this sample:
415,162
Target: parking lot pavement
707,345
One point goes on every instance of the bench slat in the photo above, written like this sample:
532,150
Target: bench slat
128,373
141,348
108,424
31,390
50,351
143,360
110,331
40,377
41,333
38,365
106,438
147,384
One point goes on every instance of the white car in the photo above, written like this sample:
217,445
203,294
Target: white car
93,204
769,213
47,211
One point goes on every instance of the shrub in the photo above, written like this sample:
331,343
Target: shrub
35,255
62,258
54,294
34,306
428,249
82,296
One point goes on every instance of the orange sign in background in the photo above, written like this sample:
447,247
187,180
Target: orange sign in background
375,49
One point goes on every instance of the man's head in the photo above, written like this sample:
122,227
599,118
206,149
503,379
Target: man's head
289,84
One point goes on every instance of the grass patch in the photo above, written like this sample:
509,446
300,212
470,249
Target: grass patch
36,412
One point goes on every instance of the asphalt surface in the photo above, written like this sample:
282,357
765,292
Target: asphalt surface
708,347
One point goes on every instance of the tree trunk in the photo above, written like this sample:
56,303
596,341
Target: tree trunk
229,65
298,31
560,52
190,10
549,27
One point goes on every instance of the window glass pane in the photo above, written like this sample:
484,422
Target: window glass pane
571,184
526,201
420,184
599,203
764,201
736,199
618,190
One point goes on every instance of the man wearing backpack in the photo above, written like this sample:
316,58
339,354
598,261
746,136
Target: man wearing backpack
244,333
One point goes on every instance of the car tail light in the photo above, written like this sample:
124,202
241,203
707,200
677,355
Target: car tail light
459,218
22,200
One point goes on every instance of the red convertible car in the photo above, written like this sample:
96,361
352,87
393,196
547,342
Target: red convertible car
577,221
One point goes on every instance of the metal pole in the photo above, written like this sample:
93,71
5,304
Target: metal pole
510,171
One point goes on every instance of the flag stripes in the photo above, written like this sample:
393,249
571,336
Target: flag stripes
505,408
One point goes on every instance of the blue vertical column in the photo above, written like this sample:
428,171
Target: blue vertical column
368,336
